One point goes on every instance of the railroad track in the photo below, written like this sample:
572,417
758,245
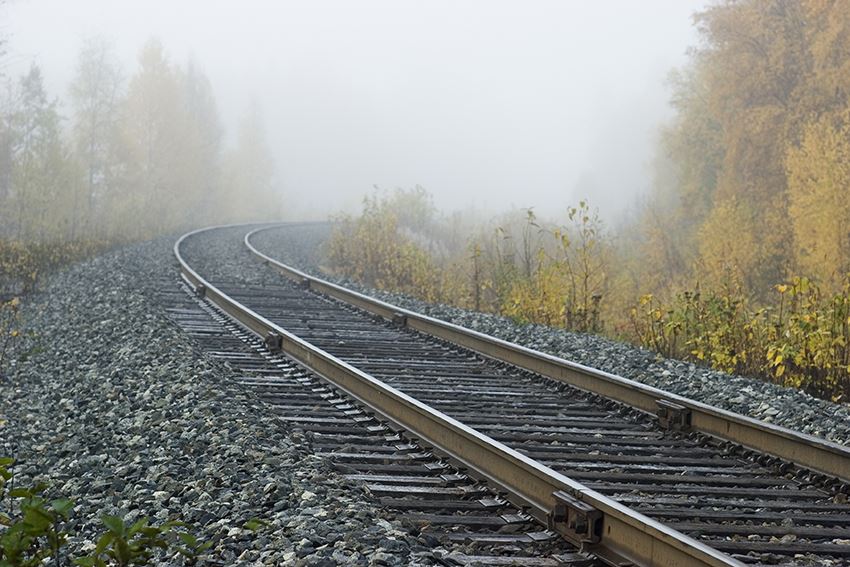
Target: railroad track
619,469
441,504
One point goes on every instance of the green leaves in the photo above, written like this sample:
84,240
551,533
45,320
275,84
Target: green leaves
37,520
32,525
62,506
31,532
192,549
804,341
114,524
125,544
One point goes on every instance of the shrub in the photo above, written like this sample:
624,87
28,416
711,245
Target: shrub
804,341
372,250
32,532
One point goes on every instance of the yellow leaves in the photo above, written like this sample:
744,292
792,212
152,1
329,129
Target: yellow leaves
744,133
699,354
372,249
808,345
728,245
539,299
818,177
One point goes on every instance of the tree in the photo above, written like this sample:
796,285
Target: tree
6,163
152,201
43,189
95,95
2,45
765,72
757,65
728,246
819,185
199,176
251,193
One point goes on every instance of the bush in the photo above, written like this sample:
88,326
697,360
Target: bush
32,532
372,250
804,341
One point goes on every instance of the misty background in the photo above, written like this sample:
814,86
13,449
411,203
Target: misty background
486,104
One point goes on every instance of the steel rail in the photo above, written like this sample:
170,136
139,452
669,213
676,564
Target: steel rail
804,450
586,518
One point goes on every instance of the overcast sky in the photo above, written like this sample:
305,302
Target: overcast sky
487,104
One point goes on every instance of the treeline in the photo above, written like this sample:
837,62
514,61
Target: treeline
745,242
739,258
754,174
120,158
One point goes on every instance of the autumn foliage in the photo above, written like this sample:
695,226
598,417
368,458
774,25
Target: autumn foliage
800,340
753,191
131,157
373,249
739,257
521,267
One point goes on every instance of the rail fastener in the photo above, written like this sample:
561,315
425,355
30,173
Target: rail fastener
673,416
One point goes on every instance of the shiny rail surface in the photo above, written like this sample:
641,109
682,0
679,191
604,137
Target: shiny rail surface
806,451
583,516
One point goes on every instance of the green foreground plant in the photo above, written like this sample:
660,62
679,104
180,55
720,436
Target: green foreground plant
33,532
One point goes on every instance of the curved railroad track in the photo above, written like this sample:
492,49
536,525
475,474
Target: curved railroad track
618,469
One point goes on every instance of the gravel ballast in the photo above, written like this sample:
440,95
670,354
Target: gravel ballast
113,406
301,247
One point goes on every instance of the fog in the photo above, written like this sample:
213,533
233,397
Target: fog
486,104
